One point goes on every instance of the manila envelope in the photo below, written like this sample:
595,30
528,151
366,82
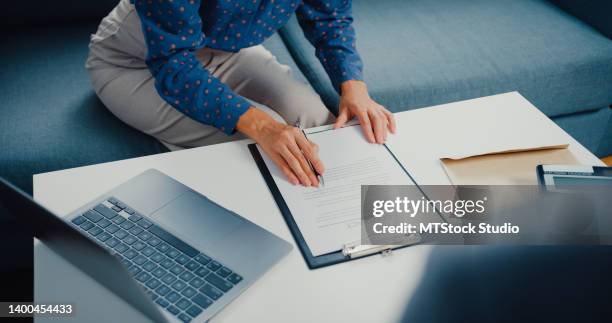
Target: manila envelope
505,168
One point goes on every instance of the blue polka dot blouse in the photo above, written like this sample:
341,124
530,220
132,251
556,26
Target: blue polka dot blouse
174,29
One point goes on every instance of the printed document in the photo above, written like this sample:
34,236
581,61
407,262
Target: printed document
329,216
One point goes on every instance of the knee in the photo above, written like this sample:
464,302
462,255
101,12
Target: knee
300,104
313,113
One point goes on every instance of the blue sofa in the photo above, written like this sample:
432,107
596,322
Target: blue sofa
417,53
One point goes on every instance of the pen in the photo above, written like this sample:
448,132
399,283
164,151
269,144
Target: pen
319,176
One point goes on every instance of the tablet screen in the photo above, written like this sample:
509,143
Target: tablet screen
566,181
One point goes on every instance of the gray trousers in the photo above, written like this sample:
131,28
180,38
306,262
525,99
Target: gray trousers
121,79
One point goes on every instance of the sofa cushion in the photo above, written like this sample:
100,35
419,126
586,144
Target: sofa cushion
594,12
50,117
592,129
419,53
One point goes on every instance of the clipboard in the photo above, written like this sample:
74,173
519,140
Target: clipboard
350,251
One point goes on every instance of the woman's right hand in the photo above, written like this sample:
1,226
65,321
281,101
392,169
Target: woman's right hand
285,145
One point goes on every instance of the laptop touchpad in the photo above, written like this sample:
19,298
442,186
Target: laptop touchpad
197,219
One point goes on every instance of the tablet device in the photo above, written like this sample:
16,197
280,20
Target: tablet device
564,177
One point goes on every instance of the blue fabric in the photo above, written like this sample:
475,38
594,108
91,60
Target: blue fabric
51,119
594,12
420,53
593,129
328,26
605,147
173,30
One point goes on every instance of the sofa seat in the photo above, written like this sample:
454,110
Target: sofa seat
420,53
593,129
50,117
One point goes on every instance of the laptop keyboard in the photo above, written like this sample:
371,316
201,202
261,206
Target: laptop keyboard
179,278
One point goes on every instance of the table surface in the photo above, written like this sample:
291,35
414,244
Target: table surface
366,290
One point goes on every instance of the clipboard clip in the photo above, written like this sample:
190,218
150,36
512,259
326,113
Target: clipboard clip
356,249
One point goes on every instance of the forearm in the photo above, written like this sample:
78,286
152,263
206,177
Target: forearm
200,96
329,28
180,79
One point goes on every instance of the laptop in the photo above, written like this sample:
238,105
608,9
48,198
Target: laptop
168,251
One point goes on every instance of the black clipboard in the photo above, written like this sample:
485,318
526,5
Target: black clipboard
312,261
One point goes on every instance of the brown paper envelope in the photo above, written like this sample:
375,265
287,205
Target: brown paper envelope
515,168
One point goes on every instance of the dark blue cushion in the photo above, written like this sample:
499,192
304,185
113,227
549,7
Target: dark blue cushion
593,129
51,119
594,12
419,53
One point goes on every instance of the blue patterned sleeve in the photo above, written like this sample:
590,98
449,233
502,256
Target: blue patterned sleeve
172,30
328,26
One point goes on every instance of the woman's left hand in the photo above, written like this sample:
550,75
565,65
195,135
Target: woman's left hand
375,120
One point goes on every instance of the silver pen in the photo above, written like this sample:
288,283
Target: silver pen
319,176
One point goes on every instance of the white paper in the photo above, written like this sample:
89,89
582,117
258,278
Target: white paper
329,216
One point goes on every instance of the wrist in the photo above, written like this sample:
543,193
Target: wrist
254,122
353,86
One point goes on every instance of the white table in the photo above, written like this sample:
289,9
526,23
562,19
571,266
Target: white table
373,289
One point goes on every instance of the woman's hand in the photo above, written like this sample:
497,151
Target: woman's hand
285,145
375,120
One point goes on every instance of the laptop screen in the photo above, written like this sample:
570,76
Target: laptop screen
76,248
